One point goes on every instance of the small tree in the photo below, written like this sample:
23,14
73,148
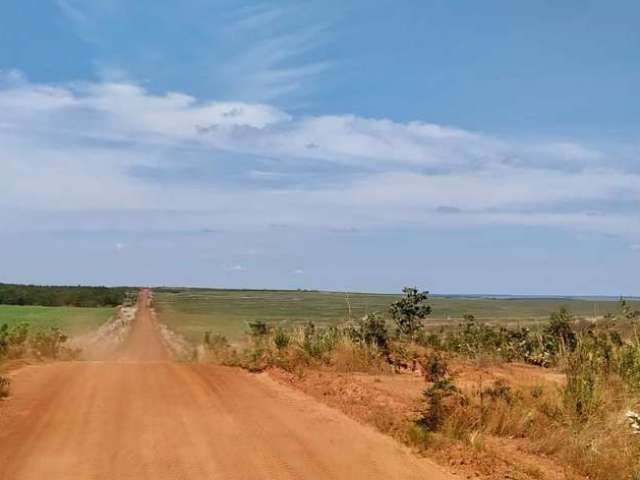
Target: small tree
559,333
409,311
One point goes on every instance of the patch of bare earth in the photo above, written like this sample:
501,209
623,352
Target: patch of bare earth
390,403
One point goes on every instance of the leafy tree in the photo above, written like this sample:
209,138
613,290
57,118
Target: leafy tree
409,311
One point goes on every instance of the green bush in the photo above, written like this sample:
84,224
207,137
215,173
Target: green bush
558,334
583,392
434,367
258,328
13,341
439,397
370,330
409,311
319,341
281,339
630,364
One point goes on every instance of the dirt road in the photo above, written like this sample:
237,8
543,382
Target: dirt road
141,416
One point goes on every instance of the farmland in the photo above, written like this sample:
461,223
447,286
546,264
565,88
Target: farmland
71,320
192,312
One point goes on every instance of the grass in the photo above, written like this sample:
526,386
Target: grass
192,312
71,320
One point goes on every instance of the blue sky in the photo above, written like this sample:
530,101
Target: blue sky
464,147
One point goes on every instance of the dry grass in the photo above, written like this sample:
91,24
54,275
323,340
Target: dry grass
567,423
600,447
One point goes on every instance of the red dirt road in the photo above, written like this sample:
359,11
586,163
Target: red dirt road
141,416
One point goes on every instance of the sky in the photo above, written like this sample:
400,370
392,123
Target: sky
461,147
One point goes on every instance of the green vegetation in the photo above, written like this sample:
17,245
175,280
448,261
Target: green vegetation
192,312
73,320
409,311
588,422
11,294
20,341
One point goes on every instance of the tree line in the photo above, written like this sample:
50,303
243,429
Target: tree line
57,296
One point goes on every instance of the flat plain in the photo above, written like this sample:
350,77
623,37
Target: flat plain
71,320
192,312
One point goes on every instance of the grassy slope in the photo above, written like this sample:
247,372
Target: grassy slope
72,320
194,311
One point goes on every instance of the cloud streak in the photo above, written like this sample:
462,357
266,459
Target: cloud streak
70,150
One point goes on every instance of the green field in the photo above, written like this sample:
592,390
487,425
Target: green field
191,312
72,320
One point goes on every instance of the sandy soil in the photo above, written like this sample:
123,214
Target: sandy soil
141,416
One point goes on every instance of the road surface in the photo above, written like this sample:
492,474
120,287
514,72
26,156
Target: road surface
141,416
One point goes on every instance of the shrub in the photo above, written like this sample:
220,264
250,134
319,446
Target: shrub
49,343
434,367
440,397
558,334
583,391
370,330
258,328
13,341
281,339
499,391
630,364
317,342
19,334
409,311
215,341
626,311
5,386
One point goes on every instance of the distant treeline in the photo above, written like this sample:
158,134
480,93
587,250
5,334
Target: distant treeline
56,296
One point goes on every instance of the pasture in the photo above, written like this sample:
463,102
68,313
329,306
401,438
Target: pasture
71,320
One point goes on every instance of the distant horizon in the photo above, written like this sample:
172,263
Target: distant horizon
497,296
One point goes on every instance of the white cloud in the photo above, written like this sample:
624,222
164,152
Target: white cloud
635,247
73,148
236,268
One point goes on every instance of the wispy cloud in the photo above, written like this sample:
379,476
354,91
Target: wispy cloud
261,53
276,61
113,154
